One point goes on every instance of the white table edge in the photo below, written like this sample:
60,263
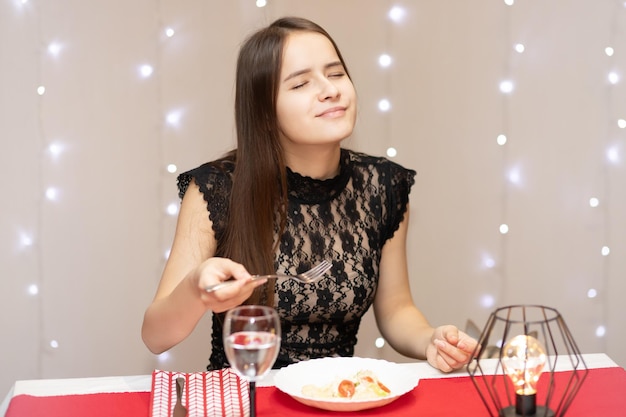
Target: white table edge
143,383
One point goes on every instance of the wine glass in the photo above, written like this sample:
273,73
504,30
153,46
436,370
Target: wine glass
251,343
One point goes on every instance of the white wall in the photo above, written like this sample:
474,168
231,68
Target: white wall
95,253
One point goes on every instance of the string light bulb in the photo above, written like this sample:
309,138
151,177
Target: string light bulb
54,49
379,342
612,155
172,209
488,262
146,70
506,86
384,105
384,60
523,360
26,240
173,118
514,176
397,14
52,194
487,301
55,149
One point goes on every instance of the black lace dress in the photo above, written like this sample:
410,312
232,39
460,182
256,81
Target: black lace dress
347,220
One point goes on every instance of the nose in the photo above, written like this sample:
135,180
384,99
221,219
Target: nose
328,90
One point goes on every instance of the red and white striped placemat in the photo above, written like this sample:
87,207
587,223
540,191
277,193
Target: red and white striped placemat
206,394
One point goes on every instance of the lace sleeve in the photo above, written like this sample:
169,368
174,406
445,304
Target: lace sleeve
214,180
182,182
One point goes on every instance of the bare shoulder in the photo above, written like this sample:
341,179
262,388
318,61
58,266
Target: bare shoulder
194,220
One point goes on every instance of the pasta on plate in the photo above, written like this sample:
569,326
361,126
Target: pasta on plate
363,382
364,385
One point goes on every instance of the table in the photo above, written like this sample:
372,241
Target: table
431,382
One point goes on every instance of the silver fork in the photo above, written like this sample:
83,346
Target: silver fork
307,277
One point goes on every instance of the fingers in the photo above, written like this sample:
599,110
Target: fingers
450,334
449,357
467,343
224,268
216,270
230,296
454,348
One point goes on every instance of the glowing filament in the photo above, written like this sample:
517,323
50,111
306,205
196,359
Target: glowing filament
523,359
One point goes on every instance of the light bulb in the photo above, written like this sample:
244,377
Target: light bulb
523,359
172,209
379,342
507,86
146,70
384,60
397,14
487,301
54,49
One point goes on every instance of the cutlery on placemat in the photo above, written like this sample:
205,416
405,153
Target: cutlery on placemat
179,408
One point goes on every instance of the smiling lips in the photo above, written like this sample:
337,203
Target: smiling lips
333,112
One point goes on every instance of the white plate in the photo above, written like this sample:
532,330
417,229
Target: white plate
291,379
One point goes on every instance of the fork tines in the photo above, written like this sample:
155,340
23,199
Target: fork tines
320,268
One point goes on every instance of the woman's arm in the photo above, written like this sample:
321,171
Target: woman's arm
402,324
180,300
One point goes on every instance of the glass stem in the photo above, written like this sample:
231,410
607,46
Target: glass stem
252,399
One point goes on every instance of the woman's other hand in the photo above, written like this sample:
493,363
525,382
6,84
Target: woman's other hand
449,348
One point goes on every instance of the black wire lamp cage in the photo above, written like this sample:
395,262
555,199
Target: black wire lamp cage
519,351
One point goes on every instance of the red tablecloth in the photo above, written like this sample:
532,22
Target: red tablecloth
603,394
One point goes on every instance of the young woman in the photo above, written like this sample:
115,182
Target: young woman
286,198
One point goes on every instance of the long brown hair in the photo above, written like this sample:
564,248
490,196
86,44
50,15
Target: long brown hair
259,194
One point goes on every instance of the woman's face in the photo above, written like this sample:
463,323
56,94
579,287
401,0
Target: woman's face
316,101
